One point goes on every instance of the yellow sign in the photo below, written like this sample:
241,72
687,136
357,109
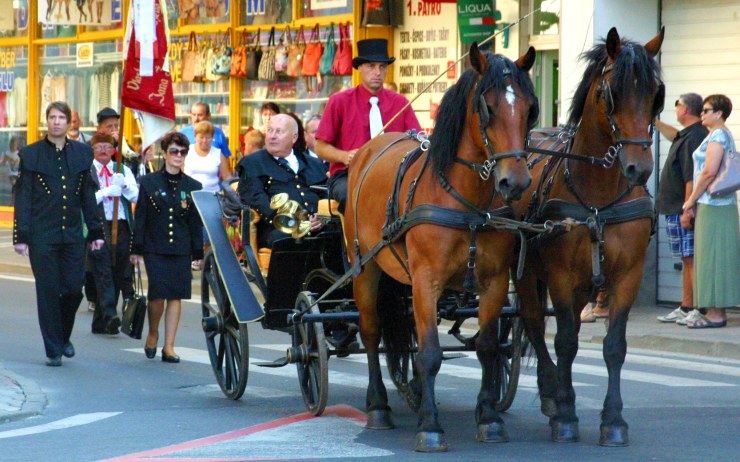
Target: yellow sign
85,54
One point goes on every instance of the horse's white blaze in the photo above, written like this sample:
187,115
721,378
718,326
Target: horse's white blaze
511,98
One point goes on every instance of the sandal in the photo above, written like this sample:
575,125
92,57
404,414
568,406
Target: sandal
705,323
587,314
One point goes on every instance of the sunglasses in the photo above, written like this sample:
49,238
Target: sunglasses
707,110
178,152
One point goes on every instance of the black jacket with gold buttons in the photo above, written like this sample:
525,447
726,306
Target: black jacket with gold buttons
166,221
53,194
261,177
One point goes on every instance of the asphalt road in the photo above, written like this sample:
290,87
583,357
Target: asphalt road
111,403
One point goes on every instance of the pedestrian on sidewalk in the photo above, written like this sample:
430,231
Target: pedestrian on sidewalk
717,231
674,188
168,234
53,194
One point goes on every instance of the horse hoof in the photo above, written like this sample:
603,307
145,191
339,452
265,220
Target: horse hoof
548,407
565,432
614,436
494,432
430,442
379,419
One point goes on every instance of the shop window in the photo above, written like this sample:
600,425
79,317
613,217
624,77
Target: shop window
201,11
14,24
13,115
86,85
259,12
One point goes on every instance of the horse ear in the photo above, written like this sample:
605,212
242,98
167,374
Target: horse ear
653,46
477,60
526,61
613,43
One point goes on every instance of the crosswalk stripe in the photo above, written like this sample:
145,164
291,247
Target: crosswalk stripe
660,361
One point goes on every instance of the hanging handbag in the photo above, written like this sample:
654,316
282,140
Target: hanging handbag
727,180
201,59
295,54
221,64
134,309
343,57
312,56
238,67
267,63
189,58
282,50
254,56
330,49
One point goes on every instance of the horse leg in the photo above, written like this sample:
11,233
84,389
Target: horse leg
533,298
429,433
564,423
365,288
614,430
491,427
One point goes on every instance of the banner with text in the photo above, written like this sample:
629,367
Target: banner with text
476,19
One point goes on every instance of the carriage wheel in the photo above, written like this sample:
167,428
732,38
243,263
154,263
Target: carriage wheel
401,366
509,361
226,338
313,366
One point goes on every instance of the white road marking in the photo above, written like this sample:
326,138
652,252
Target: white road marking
74,421
694,366
17,278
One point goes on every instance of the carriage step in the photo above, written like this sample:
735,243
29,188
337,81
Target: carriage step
447,357
280,362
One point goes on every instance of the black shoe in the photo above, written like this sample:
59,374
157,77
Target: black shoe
69,350
170,359
150,352
98,328
111,328
56,361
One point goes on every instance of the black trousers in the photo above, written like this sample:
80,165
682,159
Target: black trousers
59,273
110,280
338,188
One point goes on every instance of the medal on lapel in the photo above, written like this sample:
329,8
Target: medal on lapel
183,199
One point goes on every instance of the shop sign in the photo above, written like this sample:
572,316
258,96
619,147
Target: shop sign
85,54
60,12
476,19
7,71
326,4
255,7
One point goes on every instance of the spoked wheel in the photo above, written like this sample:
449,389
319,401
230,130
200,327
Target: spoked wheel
313,360
227,339
401,365
509,360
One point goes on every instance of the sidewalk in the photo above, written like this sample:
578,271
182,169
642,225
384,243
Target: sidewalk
20,398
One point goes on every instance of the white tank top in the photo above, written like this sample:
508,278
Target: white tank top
204,169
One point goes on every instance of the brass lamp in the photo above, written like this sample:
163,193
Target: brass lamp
290,217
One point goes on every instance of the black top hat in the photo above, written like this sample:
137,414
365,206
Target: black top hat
372,51
107,113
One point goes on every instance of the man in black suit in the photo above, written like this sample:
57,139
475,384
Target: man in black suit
54,191
278,169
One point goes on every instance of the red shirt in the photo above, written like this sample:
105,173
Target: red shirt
345,123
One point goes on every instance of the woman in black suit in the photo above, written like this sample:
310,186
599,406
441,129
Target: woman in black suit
168,235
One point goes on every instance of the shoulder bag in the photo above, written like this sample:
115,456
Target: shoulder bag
267,64
221,65
727,180
189,58
343,58
330,49
312,56
238,67
254,56
283,48
134,309
295,54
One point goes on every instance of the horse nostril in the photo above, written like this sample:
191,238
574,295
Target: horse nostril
630,171
503,185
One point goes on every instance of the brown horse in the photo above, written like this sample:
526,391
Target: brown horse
611,120
480,130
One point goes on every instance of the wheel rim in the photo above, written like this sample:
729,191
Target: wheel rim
227,339
313,371
509,359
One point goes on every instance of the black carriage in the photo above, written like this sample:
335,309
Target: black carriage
307,293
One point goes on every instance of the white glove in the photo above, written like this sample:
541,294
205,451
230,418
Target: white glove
111,191
117,180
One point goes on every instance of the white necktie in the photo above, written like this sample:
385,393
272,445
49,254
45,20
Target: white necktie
376,121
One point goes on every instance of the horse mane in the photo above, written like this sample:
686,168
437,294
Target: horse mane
634,72
450,121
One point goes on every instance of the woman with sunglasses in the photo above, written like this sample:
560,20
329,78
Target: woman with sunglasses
168,234
716,230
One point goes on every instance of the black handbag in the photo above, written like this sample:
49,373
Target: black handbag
134,310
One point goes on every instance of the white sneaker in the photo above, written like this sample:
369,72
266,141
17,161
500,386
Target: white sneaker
673,316
694,315
91,306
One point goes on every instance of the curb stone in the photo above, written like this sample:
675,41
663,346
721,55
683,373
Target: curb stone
32,399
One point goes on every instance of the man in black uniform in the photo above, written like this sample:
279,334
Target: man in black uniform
54,191
278,169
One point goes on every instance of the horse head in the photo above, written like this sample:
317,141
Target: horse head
504,108
628,96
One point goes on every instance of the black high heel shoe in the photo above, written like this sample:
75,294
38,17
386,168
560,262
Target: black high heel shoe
150,352
170,358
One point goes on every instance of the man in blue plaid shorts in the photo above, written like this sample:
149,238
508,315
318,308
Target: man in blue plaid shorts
676,183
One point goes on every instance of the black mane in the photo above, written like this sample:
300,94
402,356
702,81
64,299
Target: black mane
633,65
450,120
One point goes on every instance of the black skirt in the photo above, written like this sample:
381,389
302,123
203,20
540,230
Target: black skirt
169,276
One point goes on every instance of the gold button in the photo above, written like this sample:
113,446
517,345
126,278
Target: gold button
171,233
63,177
64,217
170,225
171,241
171,209
62,227
303,194
64,197
64,207
64,186
298,186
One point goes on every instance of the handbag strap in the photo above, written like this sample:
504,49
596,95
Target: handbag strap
330,35
138,288
193,42
315,34
271,40
300,36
